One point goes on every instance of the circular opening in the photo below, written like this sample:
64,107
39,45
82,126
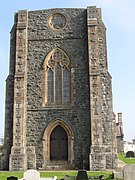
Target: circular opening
57,21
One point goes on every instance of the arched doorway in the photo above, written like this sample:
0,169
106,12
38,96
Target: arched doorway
58,144
58,131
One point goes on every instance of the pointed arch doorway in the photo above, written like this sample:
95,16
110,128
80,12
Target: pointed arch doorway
58,144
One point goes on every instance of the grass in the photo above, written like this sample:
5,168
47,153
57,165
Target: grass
59,174
123,158
5,174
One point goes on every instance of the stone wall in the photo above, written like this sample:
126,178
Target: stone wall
72,40
103,155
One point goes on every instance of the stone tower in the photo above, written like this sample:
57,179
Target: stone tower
120,134
59,111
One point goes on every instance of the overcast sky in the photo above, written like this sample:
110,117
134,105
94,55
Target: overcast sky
119,18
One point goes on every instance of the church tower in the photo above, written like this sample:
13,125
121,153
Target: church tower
59,112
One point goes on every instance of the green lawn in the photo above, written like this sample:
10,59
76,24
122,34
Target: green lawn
4,175
107,175
123,158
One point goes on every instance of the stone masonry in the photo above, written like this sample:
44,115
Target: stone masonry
59,79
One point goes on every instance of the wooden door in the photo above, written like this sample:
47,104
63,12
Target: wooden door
58,144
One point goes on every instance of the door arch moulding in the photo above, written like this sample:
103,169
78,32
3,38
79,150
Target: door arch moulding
46,141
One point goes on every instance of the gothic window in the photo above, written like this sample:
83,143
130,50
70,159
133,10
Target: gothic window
57,78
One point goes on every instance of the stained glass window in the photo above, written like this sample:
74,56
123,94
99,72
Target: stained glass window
50,86
58,78
58,83
66,85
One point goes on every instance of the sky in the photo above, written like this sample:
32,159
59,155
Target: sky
119,19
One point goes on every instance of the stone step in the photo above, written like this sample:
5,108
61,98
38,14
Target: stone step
58,166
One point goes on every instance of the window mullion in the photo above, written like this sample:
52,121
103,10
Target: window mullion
54,77
62,83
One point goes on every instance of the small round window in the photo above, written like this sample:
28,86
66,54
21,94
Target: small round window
57,21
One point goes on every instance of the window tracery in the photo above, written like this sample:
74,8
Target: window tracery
57,78
57,21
